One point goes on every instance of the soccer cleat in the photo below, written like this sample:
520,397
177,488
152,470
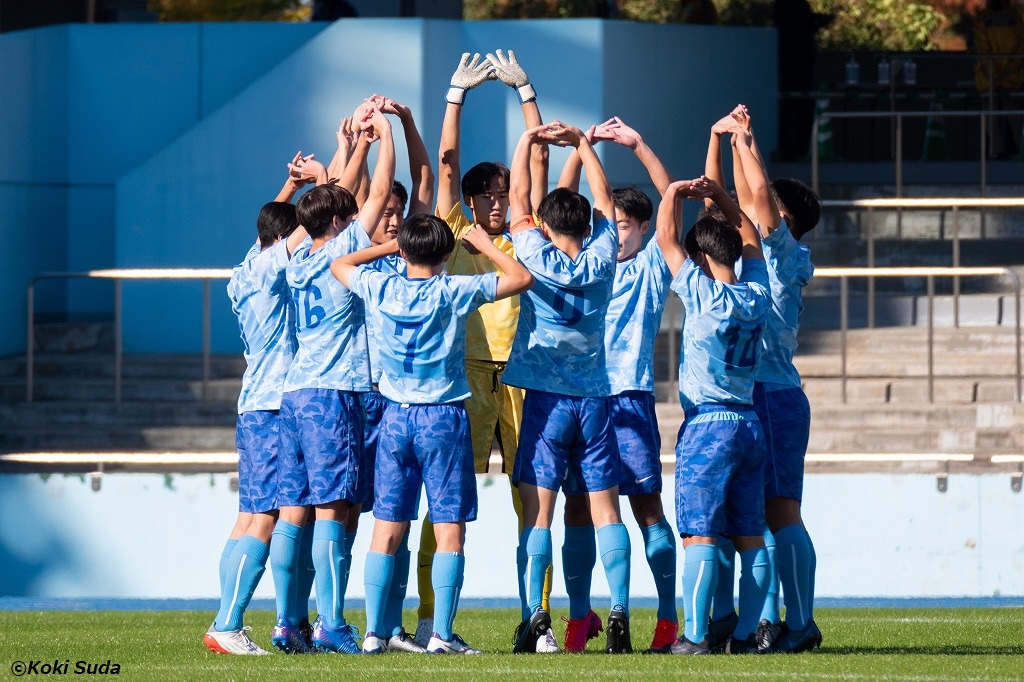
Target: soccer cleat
235,642
767,634
340,641
719,631
529,631
546,643
618,641
289,639
424,630
742,646
684,647
665,633
580,630
306,630
403,641
455,645
372,644
796,641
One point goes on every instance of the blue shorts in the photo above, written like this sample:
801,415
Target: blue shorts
567,437
636,431
720,472
373,411
785,418
258,440
428,445
322,459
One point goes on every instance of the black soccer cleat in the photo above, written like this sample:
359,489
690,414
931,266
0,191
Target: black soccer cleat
767,634
742,646
684,647
797,641
529,631
618,633
719,632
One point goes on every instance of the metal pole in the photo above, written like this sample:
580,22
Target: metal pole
931,338
899,157
844,321
206,337
30,341
956,264
871,264
1016,282
117,341
814,155
984,169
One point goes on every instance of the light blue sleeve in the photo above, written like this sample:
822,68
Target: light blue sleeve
469,292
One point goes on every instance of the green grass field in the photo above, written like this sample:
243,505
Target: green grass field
860,644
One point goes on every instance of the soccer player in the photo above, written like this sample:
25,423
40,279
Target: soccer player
424,434
495,408
634,316
323,456
558,356
261,300
720,452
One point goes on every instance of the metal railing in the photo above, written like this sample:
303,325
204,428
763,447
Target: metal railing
952,203
898,117
118,276
844,275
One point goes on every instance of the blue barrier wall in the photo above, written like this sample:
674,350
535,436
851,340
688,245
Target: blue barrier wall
155,145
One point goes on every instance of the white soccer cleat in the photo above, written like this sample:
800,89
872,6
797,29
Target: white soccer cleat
232,642
456,645
424,631
372,644
546,643
404,642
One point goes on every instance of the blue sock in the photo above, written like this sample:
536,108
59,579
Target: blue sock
579,554
225,554
700,573
447,576
329,560
723,604
399,585
307,572
285,545
812,570
245,567
377,581
770,610
350,539
521,562
614,542
755,572
794,564
537,542
660,546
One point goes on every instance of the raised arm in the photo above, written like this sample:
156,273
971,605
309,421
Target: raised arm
515,278
573,168
713,161
343,267
383,174
519,179
600,189
708,188
617,131
302,170
669,224
346,143
762,198
468,75
352,177
421,196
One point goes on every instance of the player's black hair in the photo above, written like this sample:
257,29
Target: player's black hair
477,178
276,220
715,238
399,190
425,240
800,203
565,212
713,209
633,202
317,208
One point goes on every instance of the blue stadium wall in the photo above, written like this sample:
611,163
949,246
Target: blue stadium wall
155,145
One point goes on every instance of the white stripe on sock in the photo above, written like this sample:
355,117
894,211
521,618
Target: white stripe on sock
238,584
693,606
796,584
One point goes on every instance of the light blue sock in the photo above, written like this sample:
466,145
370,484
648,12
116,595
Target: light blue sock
770,610
285,546
579,555
377,581
755,572
521,564
245,567
350,539
723,604
660,547
538,557
793,556
447,576
812,569
614,542
329,560
307,573
700,573
225,554
399,586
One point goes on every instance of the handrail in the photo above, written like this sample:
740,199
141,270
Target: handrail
954,203
843,275
118,275
898,142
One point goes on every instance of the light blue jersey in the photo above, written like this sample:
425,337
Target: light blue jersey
330,324
391,264
789,270
423,329
634,317
262,301
722,334
559,342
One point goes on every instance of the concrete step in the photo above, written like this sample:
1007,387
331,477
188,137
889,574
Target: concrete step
908,391
120,438
134,389
157,365
96,415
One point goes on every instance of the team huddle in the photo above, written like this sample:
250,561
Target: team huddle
391,341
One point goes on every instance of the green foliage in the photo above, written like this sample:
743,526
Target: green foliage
892,25
230,10
528,9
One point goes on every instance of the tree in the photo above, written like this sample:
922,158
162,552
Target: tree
230,10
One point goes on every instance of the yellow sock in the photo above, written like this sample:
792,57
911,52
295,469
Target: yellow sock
424,566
